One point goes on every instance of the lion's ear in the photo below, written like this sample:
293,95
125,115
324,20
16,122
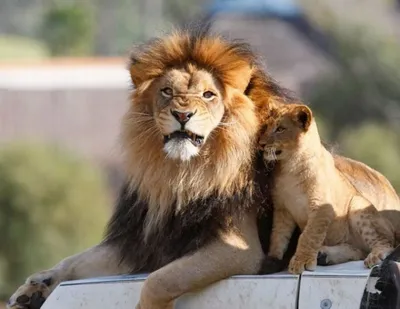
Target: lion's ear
303,116
138,66
135,70
243,77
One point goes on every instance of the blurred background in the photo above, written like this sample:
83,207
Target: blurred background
64,88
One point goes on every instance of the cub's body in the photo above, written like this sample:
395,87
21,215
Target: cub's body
345,209
373,186
295,184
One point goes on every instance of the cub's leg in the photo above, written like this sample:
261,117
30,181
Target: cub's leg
283,227
312,238
235,253
373,230
331,255
100,260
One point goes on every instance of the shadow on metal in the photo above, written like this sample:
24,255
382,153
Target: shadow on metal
382,290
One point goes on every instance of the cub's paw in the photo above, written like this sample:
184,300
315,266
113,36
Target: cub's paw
376,257
300,263
271,265
34,292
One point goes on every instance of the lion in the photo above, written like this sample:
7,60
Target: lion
195,195
345,209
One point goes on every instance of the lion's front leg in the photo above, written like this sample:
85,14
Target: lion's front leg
100,260
235,253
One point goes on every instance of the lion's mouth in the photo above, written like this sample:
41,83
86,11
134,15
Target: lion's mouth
196,140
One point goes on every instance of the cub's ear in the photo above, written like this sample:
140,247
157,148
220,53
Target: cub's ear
303,116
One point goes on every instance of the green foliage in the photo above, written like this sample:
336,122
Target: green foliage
365,87
181,11
376,145
51,205
127,22
360,99
324,128
68,30
14,47
119,23
103,27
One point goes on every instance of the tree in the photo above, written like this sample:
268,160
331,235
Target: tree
376,145
51,205
364,84
68,30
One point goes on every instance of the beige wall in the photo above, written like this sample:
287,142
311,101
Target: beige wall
84,120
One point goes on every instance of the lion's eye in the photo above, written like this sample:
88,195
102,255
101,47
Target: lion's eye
208,95
166,92
280,129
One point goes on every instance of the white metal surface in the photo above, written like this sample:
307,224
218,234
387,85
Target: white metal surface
256,292
332,287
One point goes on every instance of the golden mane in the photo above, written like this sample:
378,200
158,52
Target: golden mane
230,62
225,163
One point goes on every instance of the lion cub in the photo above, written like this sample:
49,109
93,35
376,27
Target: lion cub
345,210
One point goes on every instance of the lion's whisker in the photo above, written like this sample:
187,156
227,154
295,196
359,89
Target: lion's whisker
139,113
228,123
145,135
141,121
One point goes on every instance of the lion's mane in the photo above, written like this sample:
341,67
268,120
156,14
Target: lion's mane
167,208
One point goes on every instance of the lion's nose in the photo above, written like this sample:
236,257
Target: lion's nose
182,117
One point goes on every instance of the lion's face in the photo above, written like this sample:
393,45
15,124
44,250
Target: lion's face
188,106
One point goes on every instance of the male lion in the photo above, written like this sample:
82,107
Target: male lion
193,197
345,209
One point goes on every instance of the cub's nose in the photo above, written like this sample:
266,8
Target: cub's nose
261,146
182,117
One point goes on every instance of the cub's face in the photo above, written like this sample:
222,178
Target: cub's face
187,108
282,133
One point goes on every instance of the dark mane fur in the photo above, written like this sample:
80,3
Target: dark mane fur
181,234
189,230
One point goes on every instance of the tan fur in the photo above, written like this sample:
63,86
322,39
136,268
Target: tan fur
229,123
338,203
208,265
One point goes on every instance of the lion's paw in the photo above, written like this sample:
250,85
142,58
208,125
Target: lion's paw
376,257
270,265
300,263
34,292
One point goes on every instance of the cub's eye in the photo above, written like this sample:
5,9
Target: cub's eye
208,95
280,129
167,92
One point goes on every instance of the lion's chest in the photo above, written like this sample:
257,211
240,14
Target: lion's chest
289,194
